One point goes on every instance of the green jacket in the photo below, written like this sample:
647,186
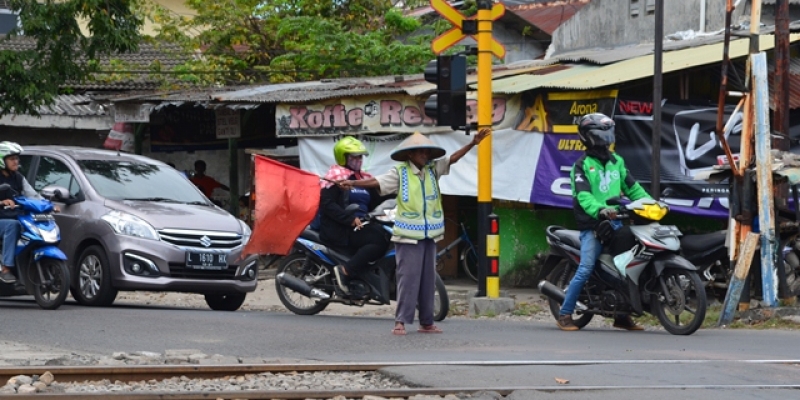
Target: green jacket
594,183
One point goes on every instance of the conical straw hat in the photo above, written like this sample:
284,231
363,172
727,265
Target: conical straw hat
417,141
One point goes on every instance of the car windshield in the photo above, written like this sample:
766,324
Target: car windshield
123,180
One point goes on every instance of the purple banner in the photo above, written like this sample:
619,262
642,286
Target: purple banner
688,147
551,185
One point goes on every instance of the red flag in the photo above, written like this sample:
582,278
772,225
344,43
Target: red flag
287,199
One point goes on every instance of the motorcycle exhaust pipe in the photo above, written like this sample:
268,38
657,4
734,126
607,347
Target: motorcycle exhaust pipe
553,292
300,286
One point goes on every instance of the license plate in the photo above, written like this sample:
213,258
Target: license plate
209,261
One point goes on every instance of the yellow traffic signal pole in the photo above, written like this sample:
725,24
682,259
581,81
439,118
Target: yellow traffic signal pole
491,283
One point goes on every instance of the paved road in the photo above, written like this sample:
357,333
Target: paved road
588,358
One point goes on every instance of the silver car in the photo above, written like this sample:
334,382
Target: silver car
134,223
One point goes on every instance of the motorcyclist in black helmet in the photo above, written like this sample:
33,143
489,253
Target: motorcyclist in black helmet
596,177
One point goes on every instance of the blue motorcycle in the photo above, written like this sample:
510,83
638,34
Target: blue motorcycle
41,268
306,285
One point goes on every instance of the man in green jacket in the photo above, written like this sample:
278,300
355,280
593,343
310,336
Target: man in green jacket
596,177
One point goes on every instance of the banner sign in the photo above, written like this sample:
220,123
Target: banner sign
513,160
132,112
558,112
228,126
689,146
367,115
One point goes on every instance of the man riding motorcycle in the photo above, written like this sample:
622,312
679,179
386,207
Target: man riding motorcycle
596,177
9,226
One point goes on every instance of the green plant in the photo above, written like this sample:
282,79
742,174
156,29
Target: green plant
526,309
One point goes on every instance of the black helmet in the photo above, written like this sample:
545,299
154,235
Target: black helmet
596,130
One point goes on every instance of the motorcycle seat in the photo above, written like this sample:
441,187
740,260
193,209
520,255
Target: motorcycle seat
567,236
310,234
703,243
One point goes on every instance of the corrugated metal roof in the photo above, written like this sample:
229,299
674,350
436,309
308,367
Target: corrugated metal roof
74,106
548,16
592,76
610,56
299,92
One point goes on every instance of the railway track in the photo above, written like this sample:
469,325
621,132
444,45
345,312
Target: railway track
135,373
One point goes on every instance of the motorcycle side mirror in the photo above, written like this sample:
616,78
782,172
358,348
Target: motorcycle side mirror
352,208
6,191
57,193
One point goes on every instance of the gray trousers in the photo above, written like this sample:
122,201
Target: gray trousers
416,275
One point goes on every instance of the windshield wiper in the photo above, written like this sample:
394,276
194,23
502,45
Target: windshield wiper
164,199
196,203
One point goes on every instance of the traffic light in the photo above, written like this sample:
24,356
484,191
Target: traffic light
449,104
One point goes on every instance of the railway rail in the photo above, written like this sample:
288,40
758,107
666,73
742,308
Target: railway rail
132,373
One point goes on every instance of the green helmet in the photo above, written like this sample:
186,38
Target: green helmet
347,145
8,149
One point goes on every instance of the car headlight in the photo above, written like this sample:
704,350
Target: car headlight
130,225
246,232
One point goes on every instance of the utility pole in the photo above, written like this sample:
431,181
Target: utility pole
487,286
655,184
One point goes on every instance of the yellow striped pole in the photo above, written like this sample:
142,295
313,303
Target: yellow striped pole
491,285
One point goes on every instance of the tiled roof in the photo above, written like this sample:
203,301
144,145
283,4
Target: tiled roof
547,16
163,57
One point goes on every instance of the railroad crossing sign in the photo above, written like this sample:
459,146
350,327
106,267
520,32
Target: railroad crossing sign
455,34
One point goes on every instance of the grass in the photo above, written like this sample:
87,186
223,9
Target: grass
526,309
712,320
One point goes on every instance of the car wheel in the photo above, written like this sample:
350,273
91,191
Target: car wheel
225,301
91,284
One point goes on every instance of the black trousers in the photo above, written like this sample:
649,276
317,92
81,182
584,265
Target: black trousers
369,244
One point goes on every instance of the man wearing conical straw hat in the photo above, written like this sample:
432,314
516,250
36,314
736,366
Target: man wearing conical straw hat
419,222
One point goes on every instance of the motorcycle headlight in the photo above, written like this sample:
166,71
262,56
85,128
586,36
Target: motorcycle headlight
653,212
130,225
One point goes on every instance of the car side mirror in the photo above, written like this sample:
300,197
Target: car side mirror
58,193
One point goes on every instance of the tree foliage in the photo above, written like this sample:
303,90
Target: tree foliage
247,41
30,77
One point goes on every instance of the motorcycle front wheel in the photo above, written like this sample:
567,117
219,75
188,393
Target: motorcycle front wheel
560,277
679,301
50,282
441,302
303,268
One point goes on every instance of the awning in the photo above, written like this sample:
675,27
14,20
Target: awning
582,77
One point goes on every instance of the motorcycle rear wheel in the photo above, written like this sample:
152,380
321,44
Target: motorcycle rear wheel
560,277
51,287
295,265
684,313
441,301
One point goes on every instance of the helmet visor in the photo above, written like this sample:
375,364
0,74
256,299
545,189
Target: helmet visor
604,137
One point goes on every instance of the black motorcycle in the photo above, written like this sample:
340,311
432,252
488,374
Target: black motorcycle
648,275
306,284
709,252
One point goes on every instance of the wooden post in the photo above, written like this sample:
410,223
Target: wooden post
738,279
766,202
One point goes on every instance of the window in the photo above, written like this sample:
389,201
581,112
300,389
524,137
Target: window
8,19
634,8
650,7
55,172
24,162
